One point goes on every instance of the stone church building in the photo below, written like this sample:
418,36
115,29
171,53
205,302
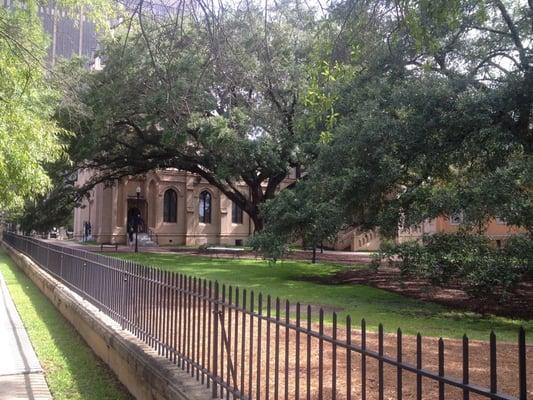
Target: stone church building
176,208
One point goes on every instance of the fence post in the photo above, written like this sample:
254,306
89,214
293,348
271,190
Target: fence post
441,368
349,358
399,358
380,362
522,363
61,264
493,364
214,388
84,277
363,359
466,367
124,283
418,366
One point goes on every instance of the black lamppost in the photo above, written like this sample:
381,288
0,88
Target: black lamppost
136,218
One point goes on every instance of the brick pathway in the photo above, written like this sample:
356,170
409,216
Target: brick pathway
21,375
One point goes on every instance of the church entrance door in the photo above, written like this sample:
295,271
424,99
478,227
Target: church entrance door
139,210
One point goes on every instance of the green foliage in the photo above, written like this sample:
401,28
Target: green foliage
321,98
28,135
271,245
56,207
304,213
520,249
219,97
433,117
28,131
493,277
465,259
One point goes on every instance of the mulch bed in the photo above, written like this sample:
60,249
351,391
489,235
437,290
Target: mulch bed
516,305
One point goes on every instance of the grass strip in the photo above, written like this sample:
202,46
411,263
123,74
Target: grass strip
71,369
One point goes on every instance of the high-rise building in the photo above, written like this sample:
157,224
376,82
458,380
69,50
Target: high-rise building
70,35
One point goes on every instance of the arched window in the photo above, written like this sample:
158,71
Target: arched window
205,207
170,206
236,214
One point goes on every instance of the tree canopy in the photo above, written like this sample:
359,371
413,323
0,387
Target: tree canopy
216,92
29,135
27,131
432,107
393,111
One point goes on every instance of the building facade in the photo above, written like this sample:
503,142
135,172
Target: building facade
70,34
180,208
175,208
496,229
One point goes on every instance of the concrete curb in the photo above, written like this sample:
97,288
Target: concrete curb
144,373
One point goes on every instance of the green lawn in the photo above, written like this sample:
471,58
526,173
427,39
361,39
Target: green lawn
290,280
71,369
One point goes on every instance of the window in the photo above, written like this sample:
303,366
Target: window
456,218
236,214
205,207
170,206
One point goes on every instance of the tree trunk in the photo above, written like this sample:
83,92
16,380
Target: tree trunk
258,221
314,254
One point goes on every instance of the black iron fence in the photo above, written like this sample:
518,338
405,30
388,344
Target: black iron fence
247,346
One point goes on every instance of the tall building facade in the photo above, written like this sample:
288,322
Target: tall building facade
70,35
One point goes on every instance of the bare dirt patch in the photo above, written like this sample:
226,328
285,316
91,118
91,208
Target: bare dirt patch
269,363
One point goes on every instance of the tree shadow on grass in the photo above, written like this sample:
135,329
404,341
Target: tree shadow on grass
72,370
316,284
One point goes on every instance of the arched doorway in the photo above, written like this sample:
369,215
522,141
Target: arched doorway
138,214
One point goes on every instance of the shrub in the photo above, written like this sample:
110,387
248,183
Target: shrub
519,248
483,271
272,247
407,256
451,256
494,277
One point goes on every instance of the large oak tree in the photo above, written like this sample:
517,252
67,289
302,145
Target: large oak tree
432,111
216,92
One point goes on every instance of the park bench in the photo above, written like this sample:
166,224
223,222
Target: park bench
214,250
111,245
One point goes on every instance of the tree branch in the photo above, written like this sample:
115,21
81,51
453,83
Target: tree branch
515,35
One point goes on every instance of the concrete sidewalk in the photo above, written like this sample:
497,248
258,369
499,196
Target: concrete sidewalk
21,375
